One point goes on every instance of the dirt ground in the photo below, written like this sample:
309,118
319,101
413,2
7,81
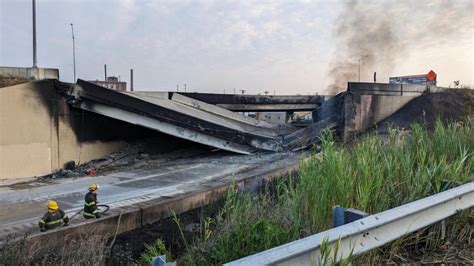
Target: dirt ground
128,246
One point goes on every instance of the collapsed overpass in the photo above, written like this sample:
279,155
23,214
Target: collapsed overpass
201,118
194,120
84,122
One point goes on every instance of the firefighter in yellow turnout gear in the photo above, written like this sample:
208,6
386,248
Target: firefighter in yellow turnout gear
90,204
53,218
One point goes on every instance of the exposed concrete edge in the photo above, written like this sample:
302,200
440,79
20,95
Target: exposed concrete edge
162,95
217,98
213,109
36,73
164,127
228,131
269,107
138,215
198,113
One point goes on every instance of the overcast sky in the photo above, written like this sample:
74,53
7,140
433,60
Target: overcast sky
212,46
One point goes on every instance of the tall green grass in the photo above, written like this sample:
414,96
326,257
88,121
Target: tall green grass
377,174
374,174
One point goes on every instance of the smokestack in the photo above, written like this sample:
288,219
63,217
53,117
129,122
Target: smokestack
105,72
131,79
34,33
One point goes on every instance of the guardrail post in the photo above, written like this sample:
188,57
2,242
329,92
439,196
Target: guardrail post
342,216
337,216
161,261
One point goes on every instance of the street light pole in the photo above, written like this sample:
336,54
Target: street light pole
34,34
73,52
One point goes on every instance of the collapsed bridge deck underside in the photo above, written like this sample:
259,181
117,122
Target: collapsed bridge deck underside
191,119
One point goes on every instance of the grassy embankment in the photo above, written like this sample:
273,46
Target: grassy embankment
373,175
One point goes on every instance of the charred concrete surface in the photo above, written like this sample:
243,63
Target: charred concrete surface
39,131
365,105
139,197
183,117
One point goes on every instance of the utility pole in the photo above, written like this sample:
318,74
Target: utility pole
184,87
105,72
243,91
73,52
34,34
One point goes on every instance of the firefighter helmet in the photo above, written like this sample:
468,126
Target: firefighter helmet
53,205
93,187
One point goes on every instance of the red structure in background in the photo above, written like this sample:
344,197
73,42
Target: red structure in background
112,83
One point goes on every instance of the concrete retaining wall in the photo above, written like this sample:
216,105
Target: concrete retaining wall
39,132
365,105
362,112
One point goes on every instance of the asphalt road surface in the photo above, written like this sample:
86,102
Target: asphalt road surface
23,204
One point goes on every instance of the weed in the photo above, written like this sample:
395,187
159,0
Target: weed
82,249
156,249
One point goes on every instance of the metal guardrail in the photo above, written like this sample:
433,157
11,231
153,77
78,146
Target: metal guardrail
368,233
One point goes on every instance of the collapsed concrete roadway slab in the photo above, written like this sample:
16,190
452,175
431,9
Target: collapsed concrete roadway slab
183,117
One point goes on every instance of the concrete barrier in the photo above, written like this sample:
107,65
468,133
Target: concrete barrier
35,73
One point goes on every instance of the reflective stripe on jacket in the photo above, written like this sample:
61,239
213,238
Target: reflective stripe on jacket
90,205
53,219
